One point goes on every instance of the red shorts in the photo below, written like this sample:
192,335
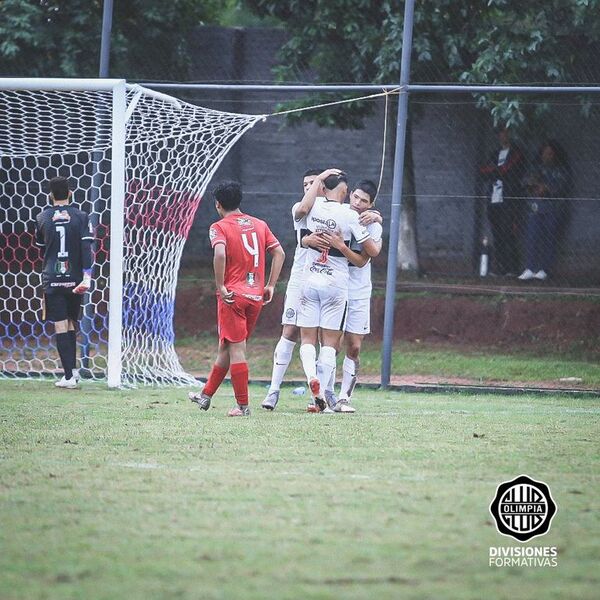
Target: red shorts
236,321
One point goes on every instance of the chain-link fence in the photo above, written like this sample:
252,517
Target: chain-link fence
508,213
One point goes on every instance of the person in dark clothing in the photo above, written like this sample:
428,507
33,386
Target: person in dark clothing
66,236
504,173
547,186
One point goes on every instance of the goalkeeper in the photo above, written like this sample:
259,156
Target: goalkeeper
66,237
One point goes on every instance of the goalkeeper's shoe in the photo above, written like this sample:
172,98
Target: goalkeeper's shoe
68,384
201,399
271,400
241,410
343,406
76,375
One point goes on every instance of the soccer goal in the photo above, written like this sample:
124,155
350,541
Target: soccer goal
139,163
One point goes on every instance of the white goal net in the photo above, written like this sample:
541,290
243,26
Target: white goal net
171,150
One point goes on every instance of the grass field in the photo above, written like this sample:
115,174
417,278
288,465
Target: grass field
137,494
490,366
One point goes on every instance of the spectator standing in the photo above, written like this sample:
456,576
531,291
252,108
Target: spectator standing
504,172
547,186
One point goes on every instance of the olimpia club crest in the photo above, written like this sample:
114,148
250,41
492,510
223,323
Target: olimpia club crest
523,508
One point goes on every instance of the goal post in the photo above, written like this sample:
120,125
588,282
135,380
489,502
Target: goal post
139,163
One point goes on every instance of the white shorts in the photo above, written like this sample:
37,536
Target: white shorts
291,305
324,307
359,316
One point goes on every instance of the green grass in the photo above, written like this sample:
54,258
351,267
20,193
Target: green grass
137,494
482,366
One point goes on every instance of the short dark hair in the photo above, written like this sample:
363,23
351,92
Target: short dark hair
311,172
367,186
333,181
228,194
59,188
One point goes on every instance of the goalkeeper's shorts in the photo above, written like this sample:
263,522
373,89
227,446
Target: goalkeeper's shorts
62,305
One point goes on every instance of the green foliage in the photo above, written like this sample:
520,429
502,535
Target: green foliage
493,42
61,38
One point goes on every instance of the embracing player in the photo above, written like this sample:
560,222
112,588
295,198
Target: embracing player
66,236
293,293
240,243
324,303
358,321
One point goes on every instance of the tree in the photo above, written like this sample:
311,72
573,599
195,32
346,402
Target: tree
472,41
61,38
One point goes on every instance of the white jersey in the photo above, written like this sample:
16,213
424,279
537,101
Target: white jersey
297,272
330,268
359,284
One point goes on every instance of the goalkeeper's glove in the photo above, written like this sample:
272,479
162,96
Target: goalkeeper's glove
85,284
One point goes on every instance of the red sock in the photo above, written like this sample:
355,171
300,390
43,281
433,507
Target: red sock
239,380
215,379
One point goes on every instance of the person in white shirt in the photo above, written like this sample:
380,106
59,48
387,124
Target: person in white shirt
284,349
358,321
324,303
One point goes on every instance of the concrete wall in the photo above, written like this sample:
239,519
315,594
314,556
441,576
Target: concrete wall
450,139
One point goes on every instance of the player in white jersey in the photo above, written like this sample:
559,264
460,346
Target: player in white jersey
293,293
358,322
325,293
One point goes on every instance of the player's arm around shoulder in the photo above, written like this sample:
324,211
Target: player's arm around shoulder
316,189
362,236
376,232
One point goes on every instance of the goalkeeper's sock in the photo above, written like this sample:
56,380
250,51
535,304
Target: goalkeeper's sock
239,380
281,360
73,338
63,345
349,374
308,356
325,365
215,379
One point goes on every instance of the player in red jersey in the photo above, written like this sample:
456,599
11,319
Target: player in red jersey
240,243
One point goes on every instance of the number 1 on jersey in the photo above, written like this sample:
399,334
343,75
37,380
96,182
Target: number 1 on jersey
252,249
62,234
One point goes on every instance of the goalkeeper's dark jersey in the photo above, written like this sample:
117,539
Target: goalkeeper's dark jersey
66,235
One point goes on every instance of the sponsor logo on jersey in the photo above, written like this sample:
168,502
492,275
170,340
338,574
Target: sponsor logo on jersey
321,269
62,267
63,284
329,223
245,223
250,279
61,215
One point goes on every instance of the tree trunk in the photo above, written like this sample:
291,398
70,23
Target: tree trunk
408,257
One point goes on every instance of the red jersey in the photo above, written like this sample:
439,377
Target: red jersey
247,240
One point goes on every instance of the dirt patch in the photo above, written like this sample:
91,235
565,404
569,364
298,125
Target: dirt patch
542,326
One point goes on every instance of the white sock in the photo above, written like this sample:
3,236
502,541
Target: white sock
325,365
331,385
348,378
308,356
281,360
